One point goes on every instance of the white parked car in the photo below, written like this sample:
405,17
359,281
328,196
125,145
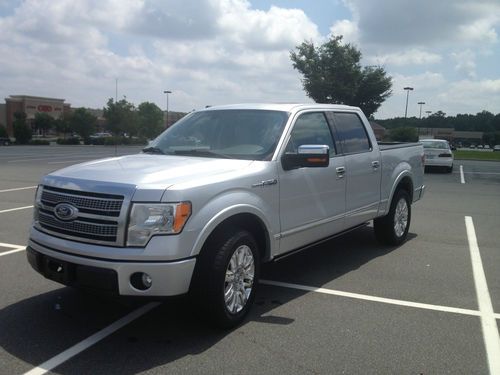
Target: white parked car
438,154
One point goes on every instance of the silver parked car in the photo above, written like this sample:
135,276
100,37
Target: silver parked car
438,154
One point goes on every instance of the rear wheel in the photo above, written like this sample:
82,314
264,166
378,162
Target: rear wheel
392,229
449,169
226,277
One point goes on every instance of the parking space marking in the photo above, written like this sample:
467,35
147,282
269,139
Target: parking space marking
91,340
16,189
488,322
15,209
15,248
462,179
366,297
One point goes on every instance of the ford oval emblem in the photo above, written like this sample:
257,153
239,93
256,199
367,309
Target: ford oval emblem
65,211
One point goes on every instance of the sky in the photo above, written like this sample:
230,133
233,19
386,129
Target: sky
210,52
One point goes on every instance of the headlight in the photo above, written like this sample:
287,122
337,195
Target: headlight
148,219
38,199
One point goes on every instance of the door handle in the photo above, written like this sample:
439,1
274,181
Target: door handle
375,164
340,172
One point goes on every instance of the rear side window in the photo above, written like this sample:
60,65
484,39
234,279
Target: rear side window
352,133
310,129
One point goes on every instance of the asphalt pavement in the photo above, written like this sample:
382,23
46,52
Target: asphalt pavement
347,306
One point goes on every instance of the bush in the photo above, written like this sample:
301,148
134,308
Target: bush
3,132
68,141
38,142
112,141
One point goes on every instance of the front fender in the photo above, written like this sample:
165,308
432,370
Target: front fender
225,206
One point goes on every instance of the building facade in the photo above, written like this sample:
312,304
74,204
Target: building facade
31,105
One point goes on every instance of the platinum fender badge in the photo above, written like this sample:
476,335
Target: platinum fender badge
65,211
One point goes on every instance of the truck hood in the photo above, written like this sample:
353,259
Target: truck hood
147,171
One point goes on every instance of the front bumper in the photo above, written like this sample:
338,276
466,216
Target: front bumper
111,276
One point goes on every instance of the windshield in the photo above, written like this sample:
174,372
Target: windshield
235,134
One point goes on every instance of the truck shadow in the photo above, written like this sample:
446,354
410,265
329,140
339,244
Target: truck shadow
38,328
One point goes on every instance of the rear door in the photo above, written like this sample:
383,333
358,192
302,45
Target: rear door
363,167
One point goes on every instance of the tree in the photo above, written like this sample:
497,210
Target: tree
43,122
150,120
332,73
83,122
121,117
404,134
63,125
3,132
22,131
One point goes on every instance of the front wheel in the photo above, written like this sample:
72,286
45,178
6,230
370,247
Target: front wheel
392,229
226,278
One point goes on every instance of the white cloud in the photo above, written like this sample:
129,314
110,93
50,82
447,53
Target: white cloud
465,62
348,29
473,96
412,56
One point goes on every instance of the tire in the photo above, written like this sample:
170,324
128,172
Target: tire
226,276
449,169
392,229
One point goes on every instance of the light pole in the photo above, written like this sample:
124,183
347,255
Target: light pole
408,89
428,113
421,104
167,92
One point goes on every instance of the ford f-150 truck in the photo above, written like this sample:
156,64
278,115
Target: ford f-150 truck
223,190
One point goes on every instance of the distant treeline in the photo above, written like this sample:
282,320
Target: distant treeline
483,121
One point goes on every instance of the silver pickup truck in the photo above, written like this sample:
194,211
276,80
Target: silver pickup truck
217,194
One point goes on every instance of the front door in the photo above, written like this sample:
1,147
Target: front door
312,200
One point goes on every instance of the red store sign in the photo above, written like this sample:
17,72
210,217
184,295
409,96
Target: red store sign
44,108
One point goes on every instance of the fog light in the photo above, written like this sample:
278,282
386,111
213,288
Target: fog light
141,281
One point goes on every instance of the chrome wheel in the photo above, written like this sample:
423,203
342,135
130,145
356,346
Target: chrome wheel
401,217
238,283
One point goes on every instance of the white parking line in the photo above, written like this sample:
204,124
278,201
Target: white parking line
15,209
16,248
488,322
366,297
462,179
91,340
16,189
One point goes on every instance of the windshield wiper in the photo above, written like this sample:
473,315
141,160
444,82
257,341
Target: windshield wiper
153,150
201,152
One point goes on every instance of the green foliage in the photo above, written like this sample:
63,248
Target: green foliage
150,120
68,141
62,125
83,123
38,142
22,132
3,132
482,122
43,122
405,134
121,117
332,73
476,155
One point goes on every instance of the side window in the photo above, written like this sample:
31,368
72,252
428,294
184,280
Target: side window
352,133
310,129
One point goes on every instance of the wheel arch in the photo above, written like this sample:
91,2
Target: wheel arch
241,218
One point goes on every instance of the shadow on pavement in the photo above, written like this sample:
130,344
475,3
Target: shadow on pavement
36,329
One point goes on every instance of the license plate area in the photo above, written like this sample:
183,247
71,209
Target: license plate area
58,270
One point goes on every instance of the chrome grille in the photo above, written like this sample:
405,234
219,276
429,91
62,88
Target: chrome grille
99,205
97,219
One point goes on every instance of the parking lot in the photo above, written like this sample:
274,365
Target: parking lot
430,306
